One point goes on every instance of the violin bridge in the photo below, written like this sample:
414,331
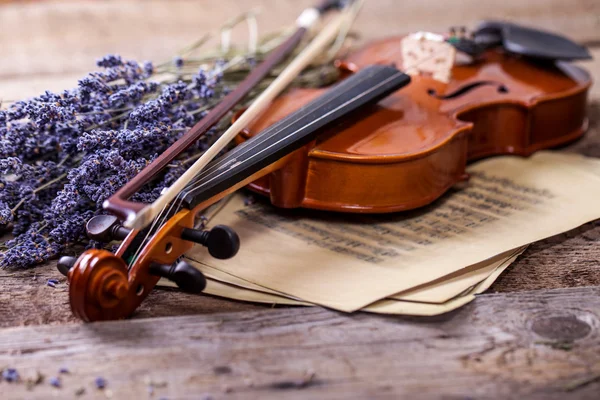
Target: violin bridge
426,53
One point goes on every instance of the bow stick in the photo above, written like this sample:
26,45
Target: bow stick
119,205
144,216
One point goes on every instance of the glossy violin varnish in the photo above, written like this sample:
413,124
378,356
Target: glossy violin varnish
414,145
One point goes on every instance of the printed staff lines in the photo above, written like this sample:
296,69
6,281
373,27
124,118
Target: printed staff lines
354,231
429,222
469,200
279,224
507,192
324,233
460,205
398,230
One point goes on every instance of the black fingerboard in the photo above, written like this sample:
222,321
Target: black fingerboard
365,87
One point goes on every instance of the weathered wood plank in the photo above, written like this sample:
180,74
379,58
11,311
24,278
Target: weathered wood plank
57,37
530,345
25,299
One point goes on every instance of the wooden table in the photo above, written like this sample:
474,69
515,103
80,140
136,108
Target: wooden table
535,335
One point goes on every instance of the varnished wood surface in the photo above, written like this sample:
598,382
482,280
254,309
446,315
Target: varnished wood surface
534,345
408,166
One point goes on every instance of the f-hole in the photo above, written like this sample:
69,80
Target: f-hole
466,89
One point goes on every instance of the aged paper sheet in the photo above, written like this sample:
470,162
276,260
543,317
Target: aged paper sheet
347,262
439,291
385,306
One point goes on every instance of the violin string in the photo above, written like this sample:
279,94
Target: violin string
146,238
254,153
163,216
218,165
178,201
238,149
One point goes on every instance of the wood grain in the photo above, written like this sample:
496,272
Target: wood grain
58,37
25,299
529,345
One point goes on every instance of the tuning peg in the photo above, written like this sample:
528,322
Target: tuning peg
65,263
106,228
186,277
222,241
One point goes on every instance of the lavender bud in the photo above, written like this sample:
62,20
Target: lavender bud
100,383
10,375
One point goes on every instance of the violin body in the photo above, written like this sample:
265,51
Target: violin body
414,145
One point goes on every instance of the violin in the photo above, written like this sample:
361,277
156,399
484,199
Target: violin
362,145
414,145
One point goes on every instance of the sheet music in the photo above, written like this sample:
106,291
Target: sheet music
347,262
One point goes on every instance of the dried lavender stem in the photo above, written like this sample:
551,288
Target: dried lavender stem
49,183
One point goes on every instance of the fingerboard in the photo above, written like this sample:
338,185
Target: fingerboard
363,88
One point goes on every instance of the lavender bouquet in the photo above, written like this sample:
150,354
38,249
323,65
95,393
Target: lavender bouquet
63,154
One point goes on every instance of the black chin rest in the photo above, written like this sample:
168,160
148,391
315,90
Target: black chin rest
529,42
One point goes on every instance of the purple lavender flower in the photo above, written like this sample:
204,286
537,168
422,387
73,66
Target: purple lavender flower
178,61
49,113
175,93
148,113
6,215
55,381
109,61
100,382
67,152
10,164
91,84
10,375
32,249
131,94
148,68
200,78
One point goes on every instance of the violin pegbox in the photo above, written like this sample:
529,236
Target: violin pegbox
426,53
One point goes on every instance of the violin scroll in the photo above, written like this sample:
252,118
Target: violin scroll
107,286
99,287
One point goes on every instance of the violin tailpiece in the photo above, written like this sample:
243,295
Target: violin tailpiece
426,53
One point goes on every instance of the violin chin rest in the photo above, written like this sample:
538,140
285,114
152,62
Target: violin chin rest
533,43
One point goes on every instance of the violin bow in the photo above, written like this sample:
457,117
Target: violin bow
139,214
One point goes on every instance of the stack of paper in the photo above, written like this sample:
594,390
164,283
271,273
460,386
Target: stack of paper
424,262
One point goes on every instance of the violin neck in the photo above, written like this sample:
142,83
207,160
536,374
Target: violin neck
366,87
